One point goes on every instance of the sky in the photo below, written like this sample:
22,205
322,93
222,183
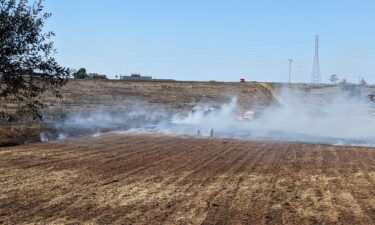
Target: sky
216,39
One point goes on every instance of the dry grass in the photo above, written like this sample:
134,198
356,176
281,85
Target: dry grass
19,134
87,95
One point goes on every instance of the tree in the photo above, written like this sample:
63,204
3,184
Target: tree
362,82
333,79
28,68
343,82
80,74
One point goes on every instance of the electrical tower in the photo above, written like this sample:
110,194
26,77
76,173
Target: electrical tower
316,77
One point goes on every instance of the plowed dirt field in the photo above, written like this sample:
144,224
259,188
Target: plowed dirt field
129,178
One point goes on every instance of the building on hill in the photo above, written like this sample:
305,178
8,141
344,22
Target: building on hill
97,76
135,77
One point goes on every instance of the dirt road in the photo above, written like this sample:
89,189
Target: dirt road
125,178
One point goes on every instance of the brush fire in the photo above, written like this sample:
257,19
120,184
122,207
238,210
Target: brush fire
296,161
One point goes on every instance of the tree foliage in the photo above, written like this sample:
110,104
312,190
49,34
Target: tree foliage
344,82
80,74
362,82
333,79
28,68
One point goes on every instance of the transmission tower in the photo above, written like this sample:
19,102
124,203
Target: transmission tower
316,78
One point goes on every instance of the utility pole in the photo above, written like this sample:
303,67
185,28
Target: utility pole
290,69
316,77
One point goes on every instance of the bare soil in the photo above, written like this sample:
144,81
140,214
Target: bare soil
129,178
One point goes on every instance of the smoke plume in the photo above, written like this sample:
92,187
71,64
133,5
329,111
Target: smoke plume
297,118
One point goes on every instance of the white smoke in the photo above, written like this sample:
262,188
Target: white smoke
97,122
297,118
44,137
341,121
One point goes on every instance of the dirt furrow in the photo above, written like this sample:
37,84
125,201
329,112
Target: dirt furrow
154,179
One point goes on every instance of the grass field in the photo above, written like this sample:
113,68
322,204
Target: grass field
130,178
90,95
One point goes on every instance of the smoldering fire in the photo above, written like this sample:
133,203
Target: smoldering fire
340,121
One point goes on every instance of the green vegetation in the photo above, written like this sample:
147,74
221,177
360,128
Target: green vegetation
28,68
80,74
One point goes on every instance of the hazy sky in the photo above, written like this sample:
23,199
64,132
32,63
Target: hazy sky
214,39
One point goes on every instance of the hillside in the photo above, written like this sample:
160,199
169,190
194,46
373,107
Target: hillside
91,95
162,96
87,95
